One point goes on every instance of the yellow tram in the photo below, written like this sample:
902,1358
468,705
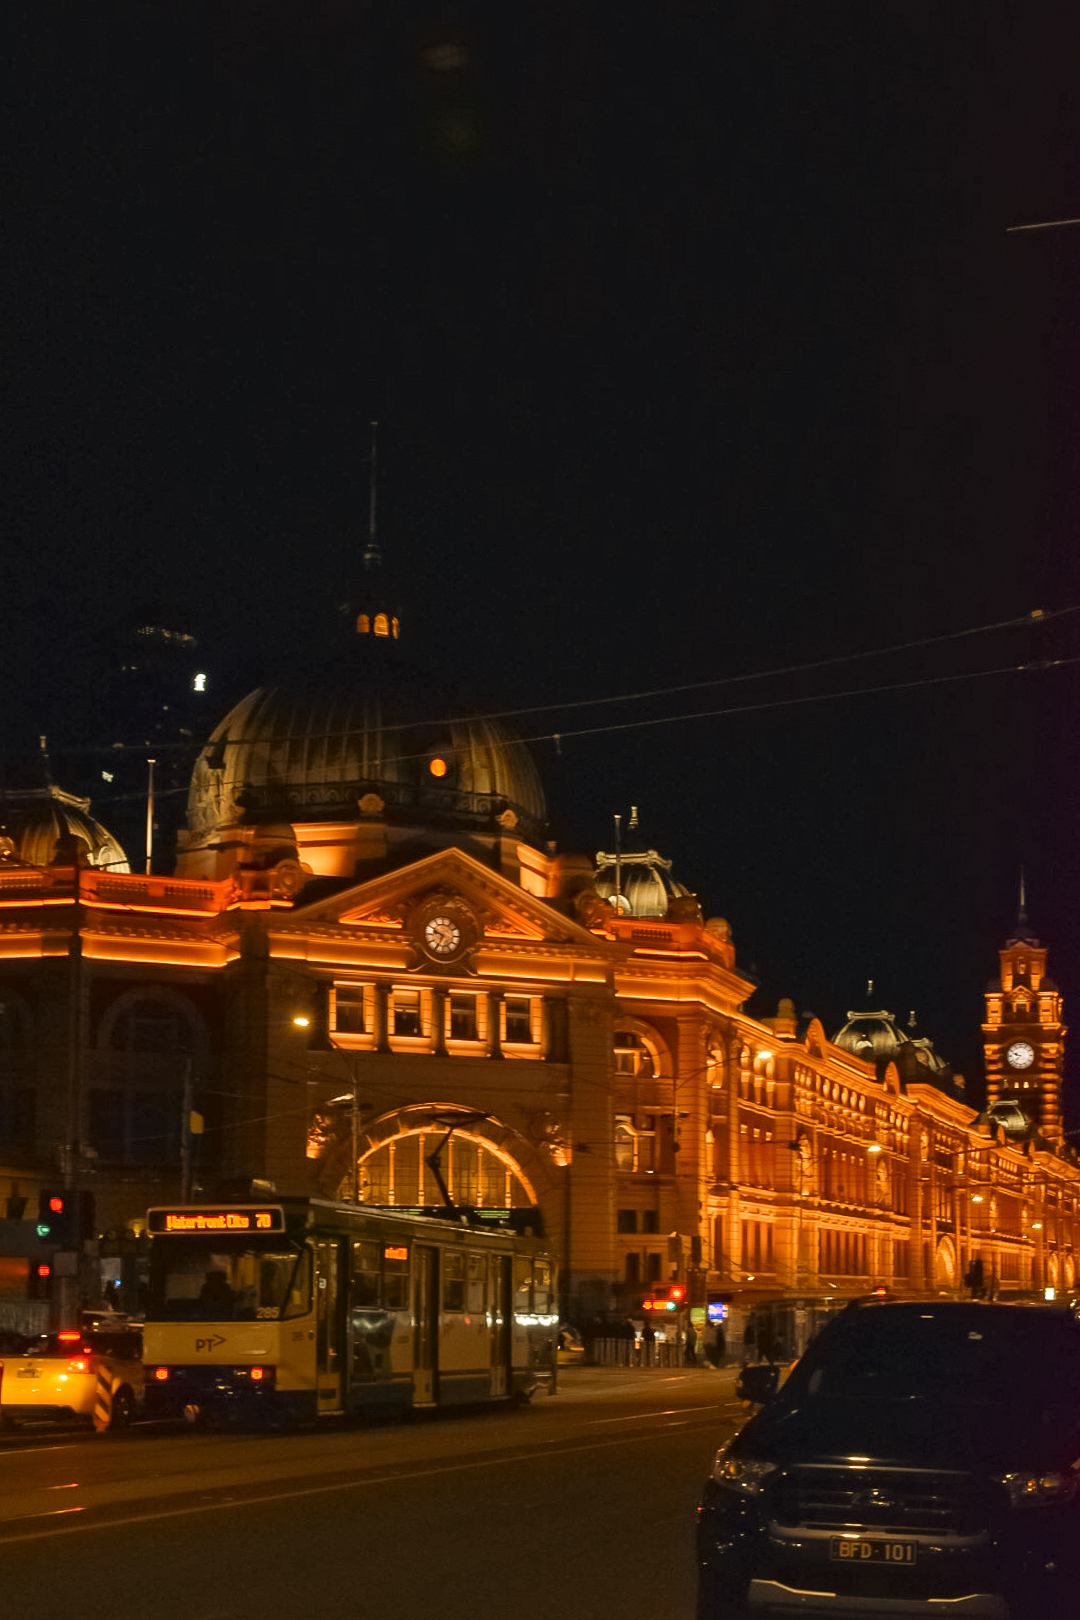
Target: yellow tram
298,1309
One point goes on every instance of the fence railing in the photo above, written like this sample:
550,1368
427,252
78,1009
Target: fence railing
635,1353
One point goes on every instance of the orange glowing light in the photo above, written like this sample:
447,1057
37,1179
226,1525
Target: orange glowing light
437,767
161,1373
258,1373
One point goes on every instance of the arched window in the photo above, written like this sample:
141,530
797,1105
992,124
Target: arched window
475,1171
394,628
363,624
382,625
134,1100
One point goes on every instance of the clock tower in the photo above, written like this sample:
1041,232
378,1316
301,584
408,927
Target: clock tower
1023,1036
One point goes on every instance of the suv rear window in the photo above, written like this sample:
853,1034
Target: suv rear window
987,1355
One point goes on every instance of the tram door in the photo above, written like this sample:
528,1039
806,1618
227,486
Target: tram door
426,1318
329,1322
501,1302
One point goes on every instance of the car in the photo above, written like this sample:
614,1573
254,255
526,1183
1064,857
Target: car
921,1459
73,1375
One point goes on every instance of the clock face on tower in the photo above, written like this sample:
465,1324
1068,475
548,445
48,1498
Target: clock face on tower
1020,1055
442,936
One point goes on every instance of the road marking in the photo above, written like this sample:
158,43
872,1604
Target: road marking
308,1490
635,1417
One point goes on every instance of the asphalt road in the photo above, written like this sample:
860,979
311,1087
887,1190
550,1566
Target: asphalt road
580,1505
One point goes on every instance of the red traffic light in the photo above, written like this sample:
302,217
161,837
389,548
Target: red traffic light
677,1293
56,1204
44,1270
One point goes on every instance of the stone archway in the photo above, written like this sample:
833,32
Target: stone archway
483,1161
945,1269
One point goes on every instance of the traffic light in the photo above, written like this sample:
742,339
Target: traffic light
40,1279
671,1301
58,1219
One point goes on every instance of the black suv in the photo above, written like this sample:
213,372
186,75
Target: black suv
921,1459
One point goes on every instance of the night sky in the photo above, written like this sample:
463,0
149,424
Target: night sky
699,350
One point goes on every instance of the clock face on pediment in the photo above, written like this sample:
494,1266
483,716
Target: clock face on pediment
444,927
1020,1055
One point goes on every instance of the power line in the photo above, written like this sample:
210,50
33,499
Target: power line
1030,620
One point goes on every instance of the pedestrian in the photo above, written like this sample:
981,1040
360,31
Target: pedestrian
691,1345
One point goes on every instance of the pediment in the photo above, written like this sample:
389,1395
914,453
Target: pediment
504,912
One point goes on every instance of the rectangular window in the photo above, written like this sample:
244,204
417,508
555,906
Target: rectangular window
348,1010
407,1019
653,1263
633,1267
650,1220
365,1272
543,1293
626,1220
519,1030
453,1290
475,1291
395,1288
462,1017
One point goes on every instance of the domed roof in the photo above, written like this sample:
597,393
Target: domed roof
311,750
637,884
35,818
872,1036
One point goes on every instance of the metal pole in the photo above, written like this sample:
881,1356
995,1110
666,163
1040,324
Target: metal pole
149,812
355,1131
185,1135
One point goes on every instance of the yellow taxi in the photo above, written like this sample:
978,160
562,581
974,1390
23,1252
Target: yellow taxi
86,1375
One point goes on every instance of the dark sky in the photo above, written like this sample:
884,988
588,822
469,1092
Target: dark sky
700,350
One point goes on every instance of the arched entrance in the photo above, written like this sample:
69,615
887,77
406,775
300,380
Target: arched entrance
479,1158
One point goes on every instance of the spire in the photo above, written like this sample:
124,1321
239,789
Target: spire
1023,932
372,554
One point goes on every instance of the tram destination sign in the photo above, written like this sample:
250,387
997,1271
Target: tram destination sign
220,1220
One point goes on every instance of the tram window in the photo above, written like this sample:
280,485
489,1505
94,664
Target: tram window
298,1302
453,1290
395,1283
203,1280
365,1272
542,1286
522,1284
475,1293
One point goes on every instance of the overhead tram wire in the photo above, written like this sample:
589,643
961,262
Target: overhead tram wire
1030,620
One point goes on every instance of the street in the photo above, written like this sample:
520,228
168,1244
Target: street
578,1505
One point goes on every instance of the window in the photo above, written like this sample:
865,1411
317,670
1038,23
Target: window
650,1220
626,1220
363,624
543,1291
634,1149
349,1013
395,1277
519,1031
632,1056
365,1272
463,1025
407,1020
474,1302
653,1264
633,1267
453,1290
382,624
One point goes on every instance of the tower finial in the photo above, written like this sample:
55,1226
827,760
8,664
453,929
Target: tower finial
1022,913
372,555
869,989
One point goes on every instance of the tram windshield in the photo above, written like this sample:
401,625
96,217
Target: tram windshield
203,1279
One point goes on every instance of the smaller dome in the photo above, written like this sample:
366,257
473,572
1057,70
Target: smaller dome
637,885
872,1036
37,818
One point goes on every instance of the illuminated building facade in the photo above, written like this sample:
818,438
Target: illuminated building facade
370,970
